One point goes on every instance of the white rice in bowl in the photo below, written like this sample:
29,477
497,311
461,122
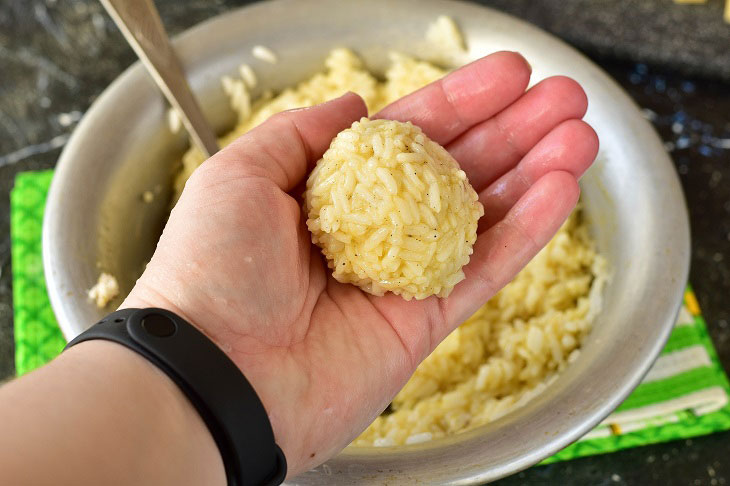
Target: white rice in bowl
508,351
516,343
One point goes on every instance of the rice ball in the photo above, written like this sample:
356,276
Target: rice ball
392,211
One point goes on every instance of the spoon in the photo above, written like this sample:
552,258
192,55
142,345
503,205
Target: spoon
141,25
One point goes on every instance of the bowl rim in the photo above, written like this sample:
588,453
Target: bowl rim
544,447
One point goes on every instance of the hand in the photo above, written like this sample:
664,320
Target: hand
236,260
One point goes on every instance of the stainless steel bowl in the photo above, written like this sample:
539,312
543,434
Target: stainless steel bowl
96,218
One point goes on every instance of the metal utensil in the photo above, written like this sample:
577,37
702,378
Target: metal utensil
141,25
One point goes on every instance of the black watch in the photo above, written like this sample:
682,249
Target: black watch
216,387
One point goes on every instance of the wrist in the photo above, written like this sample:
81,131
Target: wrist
229,405
176,441
101,414
143,296
254,366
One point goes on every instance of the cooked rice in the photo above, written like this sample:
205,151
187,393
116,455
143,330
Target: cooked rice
343,72
508,351
445,34
105,290
174,123
515,345
248,76
265,54
392,210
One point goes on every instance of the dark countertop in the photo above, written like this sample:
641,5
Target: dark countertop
58,55
692,39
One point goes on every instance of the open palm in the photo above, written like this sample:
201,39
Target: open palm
236,260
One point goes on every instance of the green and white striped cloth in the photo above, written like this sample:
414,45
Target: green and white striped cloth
684,395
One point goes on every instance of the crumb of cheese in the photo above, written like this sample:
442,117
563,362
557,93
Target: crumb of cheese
105,290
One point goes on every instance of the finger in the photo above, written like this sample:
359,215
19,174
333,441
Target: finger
493,147
571,147
504,249
446,108
288,144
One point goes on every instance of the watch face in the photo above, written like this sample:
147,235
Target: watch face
158,325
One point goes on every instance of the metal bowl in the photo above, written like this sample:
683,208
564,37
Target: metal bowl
96,218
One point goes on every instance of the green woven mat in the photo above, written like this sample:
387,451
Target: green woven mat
37,336
684,395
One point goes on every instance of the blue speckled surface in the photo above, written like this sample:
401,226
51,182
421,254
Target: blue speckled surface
58,55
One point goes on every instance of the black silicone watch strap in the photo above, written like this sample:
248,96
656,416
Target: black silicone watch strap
216,387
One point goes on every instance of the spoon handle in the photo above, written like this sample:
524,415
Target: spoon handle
140,23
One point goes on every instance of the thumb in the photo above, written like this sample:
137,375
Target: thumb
286,146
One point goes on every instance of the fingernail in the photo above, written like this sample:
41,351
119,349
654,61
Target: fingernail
524,59
348,93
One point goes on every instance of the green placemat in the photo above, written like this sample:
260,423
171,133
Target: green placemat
684,395
38,338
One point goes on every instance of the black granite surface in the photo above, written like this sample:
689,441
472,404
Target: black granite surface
56,56
692,39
